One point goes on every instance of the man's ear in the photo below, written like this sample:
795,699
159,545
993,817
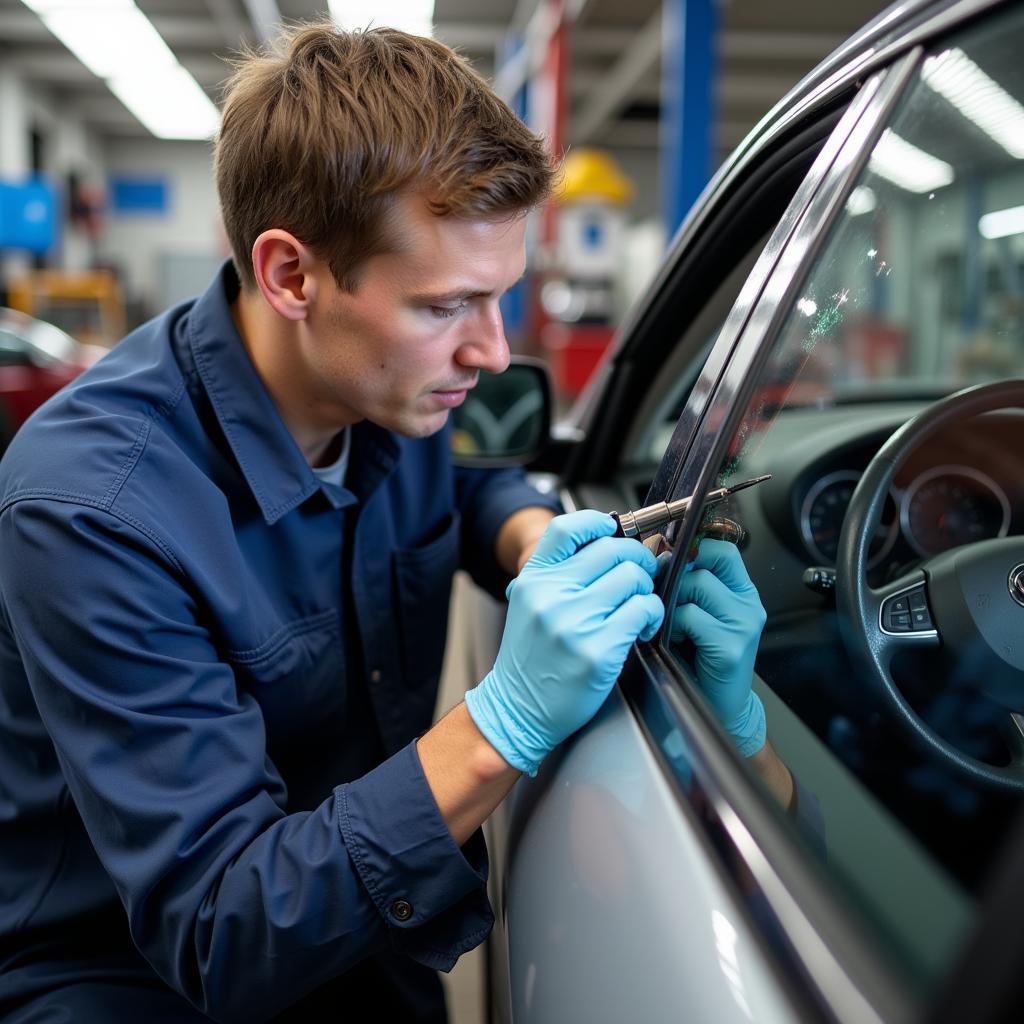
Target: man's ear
286,273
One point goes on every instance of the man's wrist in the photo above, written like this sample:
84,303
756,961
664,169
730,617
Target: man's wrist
519,535
499,729
466,775
487,762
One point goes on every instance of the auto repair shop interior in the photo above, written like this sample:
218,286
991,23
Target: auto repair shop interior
780,240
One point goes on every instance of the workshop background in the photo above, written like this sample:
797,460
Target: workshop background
108,212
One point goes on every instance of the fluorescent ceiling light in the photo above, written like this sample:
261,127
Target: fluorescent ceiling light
110,40
981,100
118,43
416,16
170,103
862,200
905,165
1001,223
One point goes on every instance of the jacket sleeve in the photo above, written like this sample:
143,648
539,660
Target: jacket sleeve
237,905
486,498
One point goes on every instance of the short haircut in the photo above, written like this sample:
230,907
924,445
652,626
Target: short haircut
322,134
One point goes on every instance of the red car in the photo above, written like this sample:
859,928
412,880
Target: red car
36,360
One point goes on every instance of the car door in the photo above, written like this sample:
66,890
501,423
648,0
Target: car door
647,872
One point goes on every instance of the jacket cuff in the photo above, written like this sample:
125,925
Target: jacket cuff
501,502
431,894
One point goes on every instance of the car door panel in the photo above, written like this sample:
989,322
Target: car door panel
611,896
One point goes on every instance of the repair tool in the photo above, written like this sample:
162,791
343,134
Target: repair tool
658,516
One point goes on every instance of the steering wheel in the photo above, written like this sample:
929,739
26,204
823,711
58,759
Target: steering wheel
968,602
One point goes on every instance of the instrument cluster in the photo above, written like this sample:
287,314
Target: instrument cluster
942,507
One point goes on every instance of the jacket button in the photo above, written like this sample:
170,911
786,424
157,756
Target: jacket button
375,676
401,910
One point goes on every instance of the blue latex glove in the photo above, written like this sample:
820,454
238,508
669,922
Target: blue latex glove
574,611
719,610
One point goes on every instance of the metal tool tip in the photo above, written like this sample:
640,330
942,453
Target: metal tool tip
749,483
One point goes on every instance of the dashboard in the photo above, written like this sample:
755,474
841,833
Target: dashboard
963,485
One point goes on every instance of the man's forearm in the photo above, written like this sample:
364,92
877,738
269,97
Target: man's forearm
518,537
467,776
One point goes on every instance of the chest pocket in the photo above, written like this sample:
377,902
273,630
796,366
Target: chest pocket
297,671
423,581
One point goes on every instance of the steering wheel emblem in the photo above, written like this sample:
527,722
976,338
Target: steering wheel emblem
1016,583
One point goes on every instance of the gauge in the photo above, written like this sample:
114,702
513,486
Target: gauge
823,511
947,506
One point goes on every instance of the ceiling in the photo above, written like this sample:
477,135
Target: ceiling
764,49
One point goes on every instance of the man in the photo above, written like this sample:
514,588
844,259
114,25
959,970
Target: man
227,558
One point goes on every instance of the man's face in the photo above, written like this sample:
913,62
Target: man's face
422,324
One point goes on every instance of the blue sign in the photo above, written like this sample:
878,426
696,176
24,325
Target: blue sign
139,195
28,215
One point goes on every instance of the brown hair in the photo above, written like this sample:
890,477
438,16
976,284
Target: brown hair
322,136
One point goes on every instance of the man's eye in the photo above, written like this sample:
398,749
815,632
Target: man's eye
447,312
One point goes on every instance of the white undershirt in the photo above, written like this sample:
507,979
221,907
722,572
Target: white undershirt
335,472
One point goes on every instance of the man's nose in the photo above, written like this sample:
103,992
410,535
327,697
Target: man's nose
485,347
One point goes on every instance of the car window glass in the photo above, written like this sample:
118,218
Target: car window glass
918,291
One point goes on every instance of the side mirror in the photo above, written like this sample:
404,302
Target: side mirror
506,419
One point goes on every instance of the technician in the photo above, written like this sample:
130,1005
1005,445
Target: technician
227,553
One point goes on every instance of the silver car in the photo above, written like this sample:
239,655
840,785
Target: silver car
843,309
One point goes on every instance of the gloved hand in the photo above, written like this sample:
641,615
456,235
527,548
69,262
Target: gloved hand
719,610
573,614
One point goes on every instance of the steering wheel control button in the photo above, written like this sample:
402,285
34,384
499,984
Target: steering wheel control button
401,910
1016,582
820,578
907,613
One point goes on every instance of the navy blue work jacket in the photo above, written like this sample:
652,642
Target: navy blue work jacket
213,668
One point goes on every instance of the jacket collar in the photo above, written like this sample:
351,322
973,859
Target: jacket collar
272,463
